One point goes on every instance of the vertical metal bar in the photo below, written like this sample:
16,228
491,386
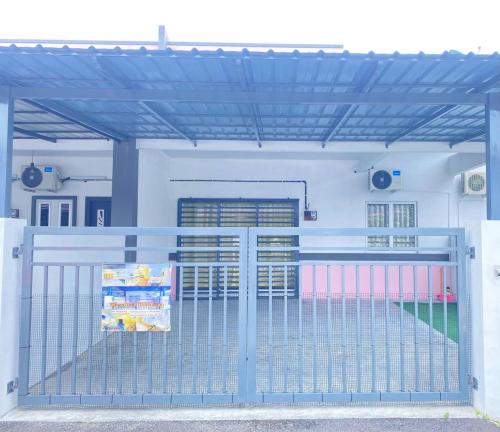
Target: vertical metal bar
134,363
195,332
415,326
388,360
270,330
330,328
104,365
462,305
43,371
445,338
90,344
150,362
26,304
372,331
119,369
243,311
301,350
76,305
285,330
344,332
249,328
209,344
431,329
315,333
60,316
358,332
401,333
179,332
224,337
165,362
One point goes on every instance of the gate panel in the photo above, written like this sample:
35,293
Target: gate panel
368,324
66,359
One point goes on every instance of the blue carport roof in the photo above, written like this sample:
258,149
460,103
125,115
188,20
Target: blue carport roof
273,71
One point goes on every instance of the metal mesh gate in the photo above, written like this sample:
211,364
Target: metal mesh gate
368,324
66,359
361,324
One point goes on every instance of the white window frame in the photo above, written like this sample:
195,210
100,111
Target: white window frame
51,204
391,219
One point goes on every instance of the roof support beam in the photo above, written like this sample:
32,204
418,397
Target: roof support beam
253,107
472,137
485,86
34,134
365,81
146,106
79,120
241,97
493,156
111,76
434,116
6,144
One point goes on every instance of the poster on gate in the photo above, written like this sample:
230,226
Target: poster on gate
136,297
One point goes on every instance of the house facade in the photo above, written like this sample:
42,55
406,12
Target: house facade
314,208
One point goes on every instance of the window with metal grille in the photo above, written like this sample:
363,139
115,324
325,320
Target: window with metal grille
391,215
237,213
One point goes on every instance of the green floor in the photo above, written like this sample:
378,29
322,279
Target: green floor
437,316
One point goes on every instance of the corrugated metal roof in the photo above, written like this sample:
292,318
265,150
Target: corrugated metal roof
246,70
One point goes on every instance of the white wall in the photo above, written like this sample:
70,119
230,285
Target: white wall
11,232
335,191
82,164
485,319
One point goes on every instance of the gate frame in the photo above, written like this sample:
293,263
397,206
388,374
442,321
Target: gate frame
247,317
26,399
458,234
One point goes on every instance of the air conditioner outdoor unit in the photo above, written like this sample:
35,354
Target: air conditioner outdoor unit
40,178
474,183
384,179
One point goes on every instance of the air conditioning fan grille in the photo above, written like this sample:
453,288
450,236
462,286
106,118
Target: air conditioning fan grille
381,179
32,177
476,182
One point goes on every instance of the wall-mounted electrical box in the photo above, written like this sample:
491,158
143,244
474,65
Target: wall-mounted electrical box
310,215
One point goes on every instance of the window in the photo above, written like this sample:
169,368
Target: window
53,211
43,214
64,214
237,213
391,215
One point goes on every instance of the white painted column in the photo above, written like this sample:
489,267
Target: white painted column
11,235
485,304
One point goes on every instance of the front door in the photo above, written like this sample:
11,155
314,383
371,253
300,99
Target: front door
98,211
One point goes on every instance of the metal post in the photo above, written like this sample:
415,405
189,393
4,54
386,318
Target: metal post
6,128
493,156
124,190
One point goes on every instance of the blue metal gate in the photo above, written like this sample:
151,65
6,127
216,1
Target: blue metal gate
368,324
65,358
361,324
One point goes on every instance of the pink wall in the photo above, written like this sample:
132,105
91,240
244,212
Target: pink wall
378,278
364,281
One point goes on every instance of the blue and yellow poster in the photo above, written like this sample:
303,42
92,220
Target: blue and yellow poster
136,297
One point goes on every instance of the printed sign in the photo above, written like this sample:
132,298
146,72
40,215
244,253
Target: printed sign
136,297
100,218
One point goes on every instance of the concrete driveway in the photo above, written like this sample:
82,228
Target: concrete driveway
344,425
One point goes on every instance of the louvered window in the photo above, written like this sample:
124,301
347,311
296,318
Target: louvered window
395,215
237,213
